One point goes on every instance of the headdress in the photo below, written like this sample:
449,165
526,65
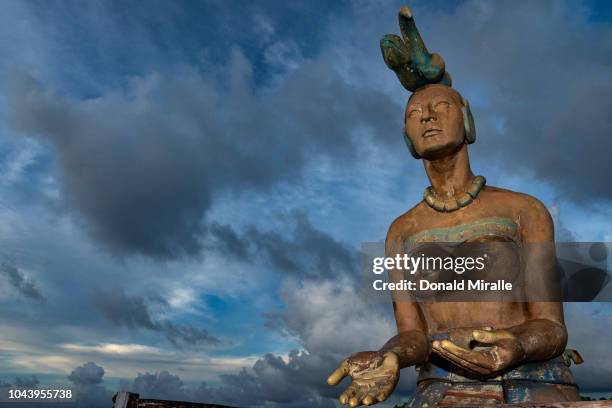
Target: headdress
415,67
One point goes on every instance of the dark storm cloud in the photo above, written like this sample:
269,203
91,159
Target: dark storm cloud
184,335
275,382
133,312
587,324
161,385
229,242
87,374
123,310
308,250
24,286
300,250
144,165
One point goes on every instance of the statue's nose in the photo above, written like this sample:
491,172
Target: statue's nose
428,116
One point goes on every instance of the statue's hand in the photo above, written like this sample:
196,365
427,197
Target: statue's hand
408,57
505,351
374,373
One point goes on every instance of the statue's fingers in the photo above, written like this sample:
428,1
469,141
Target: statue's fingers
405,11
431,66
469,355
460,361
385,390
492,337
394,52
349,393
483,336
369,400
361,391
382,396
339,373
411,34
482,359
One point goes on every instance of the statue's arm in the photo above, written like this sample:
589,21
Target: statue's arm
411,344
544,335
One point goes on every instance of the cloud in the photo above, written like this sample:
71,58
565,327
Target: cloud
270,382
87,374
308,252
132,312
24,286
181,336
320,314
114,349
87,383
299,249
587,324
162,385
275,382
229,242
145,180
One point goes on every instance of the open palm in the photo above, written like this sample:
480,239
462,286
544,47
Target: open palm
375,375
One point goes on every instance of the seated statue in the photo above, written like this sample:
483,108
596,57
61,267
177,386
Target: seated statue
524,358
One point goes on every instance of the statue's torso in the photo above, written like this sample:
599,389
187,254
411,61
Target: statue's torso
494,217
495,221
442,316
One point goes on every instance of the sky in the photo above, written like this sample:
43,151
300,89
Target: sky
184,186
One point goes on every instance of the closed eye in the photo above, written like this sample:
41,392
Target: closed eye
441,105
414,113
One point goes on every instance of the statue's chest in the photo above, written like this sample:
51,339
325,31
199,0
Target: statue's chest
494,228
491,246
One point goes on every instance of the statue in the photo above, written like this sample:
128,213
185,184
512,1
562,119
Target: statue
524,360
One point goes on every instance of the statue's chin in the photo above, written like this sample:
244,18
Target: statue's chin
441,151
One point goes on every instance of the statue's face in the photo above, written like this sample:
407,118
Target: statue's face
434,121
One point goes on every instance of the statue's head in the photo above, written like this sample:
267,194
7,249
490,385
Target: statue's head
438,122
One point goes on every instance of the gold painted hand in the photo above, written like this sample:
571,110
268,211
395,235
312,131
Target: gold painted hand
374,374
505,351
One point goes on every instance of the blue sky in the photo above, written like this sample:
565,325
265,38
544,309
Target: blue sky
184,185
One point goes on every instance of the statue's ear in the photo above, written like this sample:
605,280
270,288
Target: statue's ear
468,122
409,145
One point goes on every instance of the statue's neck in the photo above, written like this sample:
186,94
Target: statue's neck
450,175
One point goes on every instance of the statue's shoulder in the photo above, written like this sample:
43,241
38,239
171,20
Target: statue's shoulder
408,223
519,204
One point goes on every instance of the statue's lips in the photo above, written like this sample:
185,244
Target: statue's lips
431,132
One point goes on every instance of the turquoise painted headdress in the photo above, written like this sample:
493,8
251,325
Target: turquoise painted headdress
414,66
